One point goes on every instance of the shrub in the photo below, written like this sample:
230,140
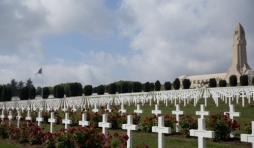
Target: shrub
88,90
100,90
151,86
247,129
176,84
222,83
45,92
125,87
253,81
112,88
233,80
244,80
186,83
167,86
146,87
157,85
32,93
24,93
6,93
136,87
119,88
186,123
130,88
212,82
58,91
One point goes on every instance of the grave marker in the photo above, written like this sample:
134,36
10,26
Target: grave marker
138,110
2,116
232,114
104,124
129,127
39,119
66,122
156,111
249,137
18,117
122,110
52,121
202,111
84,121
10,117
177,112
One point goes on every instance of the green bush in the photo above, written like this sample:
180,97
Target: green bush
157,85
58,91
244,80
222,83
24,93
176,84
212,82
100,90
146,87
112,88
130,88
88,90
233,80
186,123
125,87
45,92
186,83
119,88
6,93
136,87
151,86
32,93
167,86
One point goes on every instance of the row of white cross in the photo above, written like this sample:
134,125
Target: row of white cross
201,132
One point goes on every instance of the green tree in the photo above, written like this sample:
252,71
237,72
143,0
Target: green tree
88,90
136,87
125,87
186,83
32,93
212,82
167,86
29,83
176,84
222,83
130,90
6,93
38,91
112,88
45,92
146,87
157,85
244,80
100,90
14,86
253,81
58,91
119,88
24,93
151,86
233,80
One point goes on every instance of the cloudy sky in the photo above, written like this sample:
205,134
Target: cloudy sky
103,41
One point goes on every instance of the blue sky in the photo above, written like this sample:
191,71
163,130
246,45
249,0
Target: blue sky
103,41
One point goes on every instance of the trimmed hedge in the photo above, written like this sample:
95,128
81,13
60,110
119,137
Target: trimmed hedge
112,88
186,83
58,91
136,87
233,80
244,80
167,86
24,93
32,93
100,90
146,87
222,83
212,82
88,90
157,85
45,92
176,84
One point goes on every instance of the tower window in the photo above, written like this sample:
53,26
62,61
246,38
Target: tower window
236,32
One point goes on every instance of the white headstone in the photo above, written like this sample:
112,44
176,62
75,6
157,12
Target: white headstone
122,110
39,119
156,111
161,130
177,112
138,110
18,117
10,117
129,127
202,111
66,122
232,112
95,109
2,116
84,121
52,121
104,124
201,133
249,137
108,108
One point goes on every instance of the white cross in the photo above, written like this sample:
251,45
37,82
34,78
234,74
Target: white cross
129,127
201,133
104,124
156,111
243,96
249,137
18,117
161,130
84,121
122,110
28,118
202,111
66,121
39,119
138,110
177,112
95,109
232,112
10,117
52,120
74,108
3,116
108,108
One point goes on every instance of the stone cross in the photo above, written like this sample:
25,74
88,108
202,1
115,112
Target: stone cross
2,116
129,127
177,112
105,125
243,96
156,111
28,118
138,110
39,119
64,109
18,117
52,121
232,114
66,122
202,111
95,109
161,130
201,133
74,108
108,108
10,117
84,121
122,110
249,137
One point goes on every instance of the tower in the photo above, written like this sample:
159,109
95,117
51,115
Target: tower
239,59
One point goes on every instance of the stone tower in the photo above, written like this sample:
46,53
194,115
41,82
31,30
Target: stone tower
239,59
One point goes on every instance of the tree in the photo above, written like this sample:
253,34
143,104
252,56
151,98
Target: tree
24,93
88,90
14,86
29,83
222,83
136,87
146,87
38,91
176,84
6,93
157,85
151,86
233,80
119,88
112,88
100,90
167,86
45,92
244,80
130,90
125,87
186,83
58,91
212,82
32,93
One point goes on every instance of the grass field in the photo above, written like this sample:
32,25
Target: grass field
178,141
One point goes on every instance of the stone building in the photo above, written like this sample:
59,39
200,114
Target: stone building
239,65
